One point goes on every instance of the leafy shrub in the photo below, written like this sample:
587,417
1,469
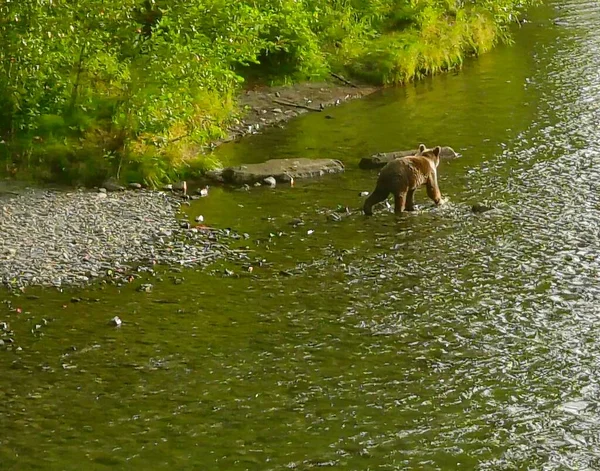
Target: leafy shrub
136,88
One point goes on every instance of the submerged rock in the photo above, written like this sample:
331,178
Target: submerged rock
482,208
116,321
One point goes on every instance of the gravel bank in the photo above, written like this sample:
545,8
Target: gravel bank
54,238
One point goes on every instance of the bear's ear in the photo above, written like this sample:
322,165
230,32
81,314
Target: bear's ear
437,150
422,148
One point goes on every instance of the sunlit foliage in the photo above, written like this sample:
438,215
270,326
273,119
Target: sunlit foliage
92,88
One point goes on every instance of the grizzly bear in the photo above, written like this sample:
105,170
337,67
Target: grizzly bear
403,176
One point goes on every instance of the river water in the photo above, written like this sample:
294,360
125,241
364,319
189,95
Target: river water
437,340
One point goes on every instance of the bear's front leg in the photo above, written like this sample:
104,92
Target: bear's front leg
399,202
433,192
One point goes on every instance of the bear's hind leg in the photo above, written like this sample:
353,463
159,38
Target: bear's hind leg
377,196
399,201
410,203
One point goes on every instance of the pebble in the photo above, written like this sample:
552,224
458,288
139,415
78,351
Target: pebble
68,238
112,185
116,321
481,208
270,181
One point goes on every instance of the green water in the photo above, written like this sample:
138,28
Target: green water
437,340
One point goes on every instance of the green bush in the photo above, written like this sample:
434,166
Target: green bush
136,88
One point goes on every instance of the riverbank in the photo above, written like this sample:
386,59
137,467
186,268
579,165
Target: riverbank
109,111
70,238
266,106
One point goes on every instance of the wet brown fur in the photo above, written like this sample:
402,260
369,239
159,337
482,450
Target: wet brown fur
403,176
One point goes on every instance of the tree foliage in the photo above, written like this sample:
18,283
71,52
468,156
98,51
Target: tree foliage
90,88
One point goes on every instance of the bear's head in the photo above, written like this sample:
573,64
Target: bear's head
431,154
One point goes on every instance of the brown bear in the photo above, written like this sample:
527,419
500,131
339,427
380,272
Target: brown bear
403,176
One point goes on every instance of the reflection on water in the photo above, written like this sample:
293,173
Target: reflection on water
438,340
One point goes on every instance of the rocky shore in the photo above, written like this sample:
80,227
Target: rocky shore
267,106
62,238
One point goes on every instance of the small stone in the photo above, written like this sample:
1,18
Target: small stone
334,217
185,225
297,222
277,94
481,208
116,321
363,193
180,186
145,288
1,343
202,191
168,187
135,186
245,187
257,184
199,218
113,185
102,190
4,326
270,181
277,110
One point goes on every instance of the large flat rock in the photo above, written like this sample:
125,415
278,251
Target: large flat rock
382,158
283,170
